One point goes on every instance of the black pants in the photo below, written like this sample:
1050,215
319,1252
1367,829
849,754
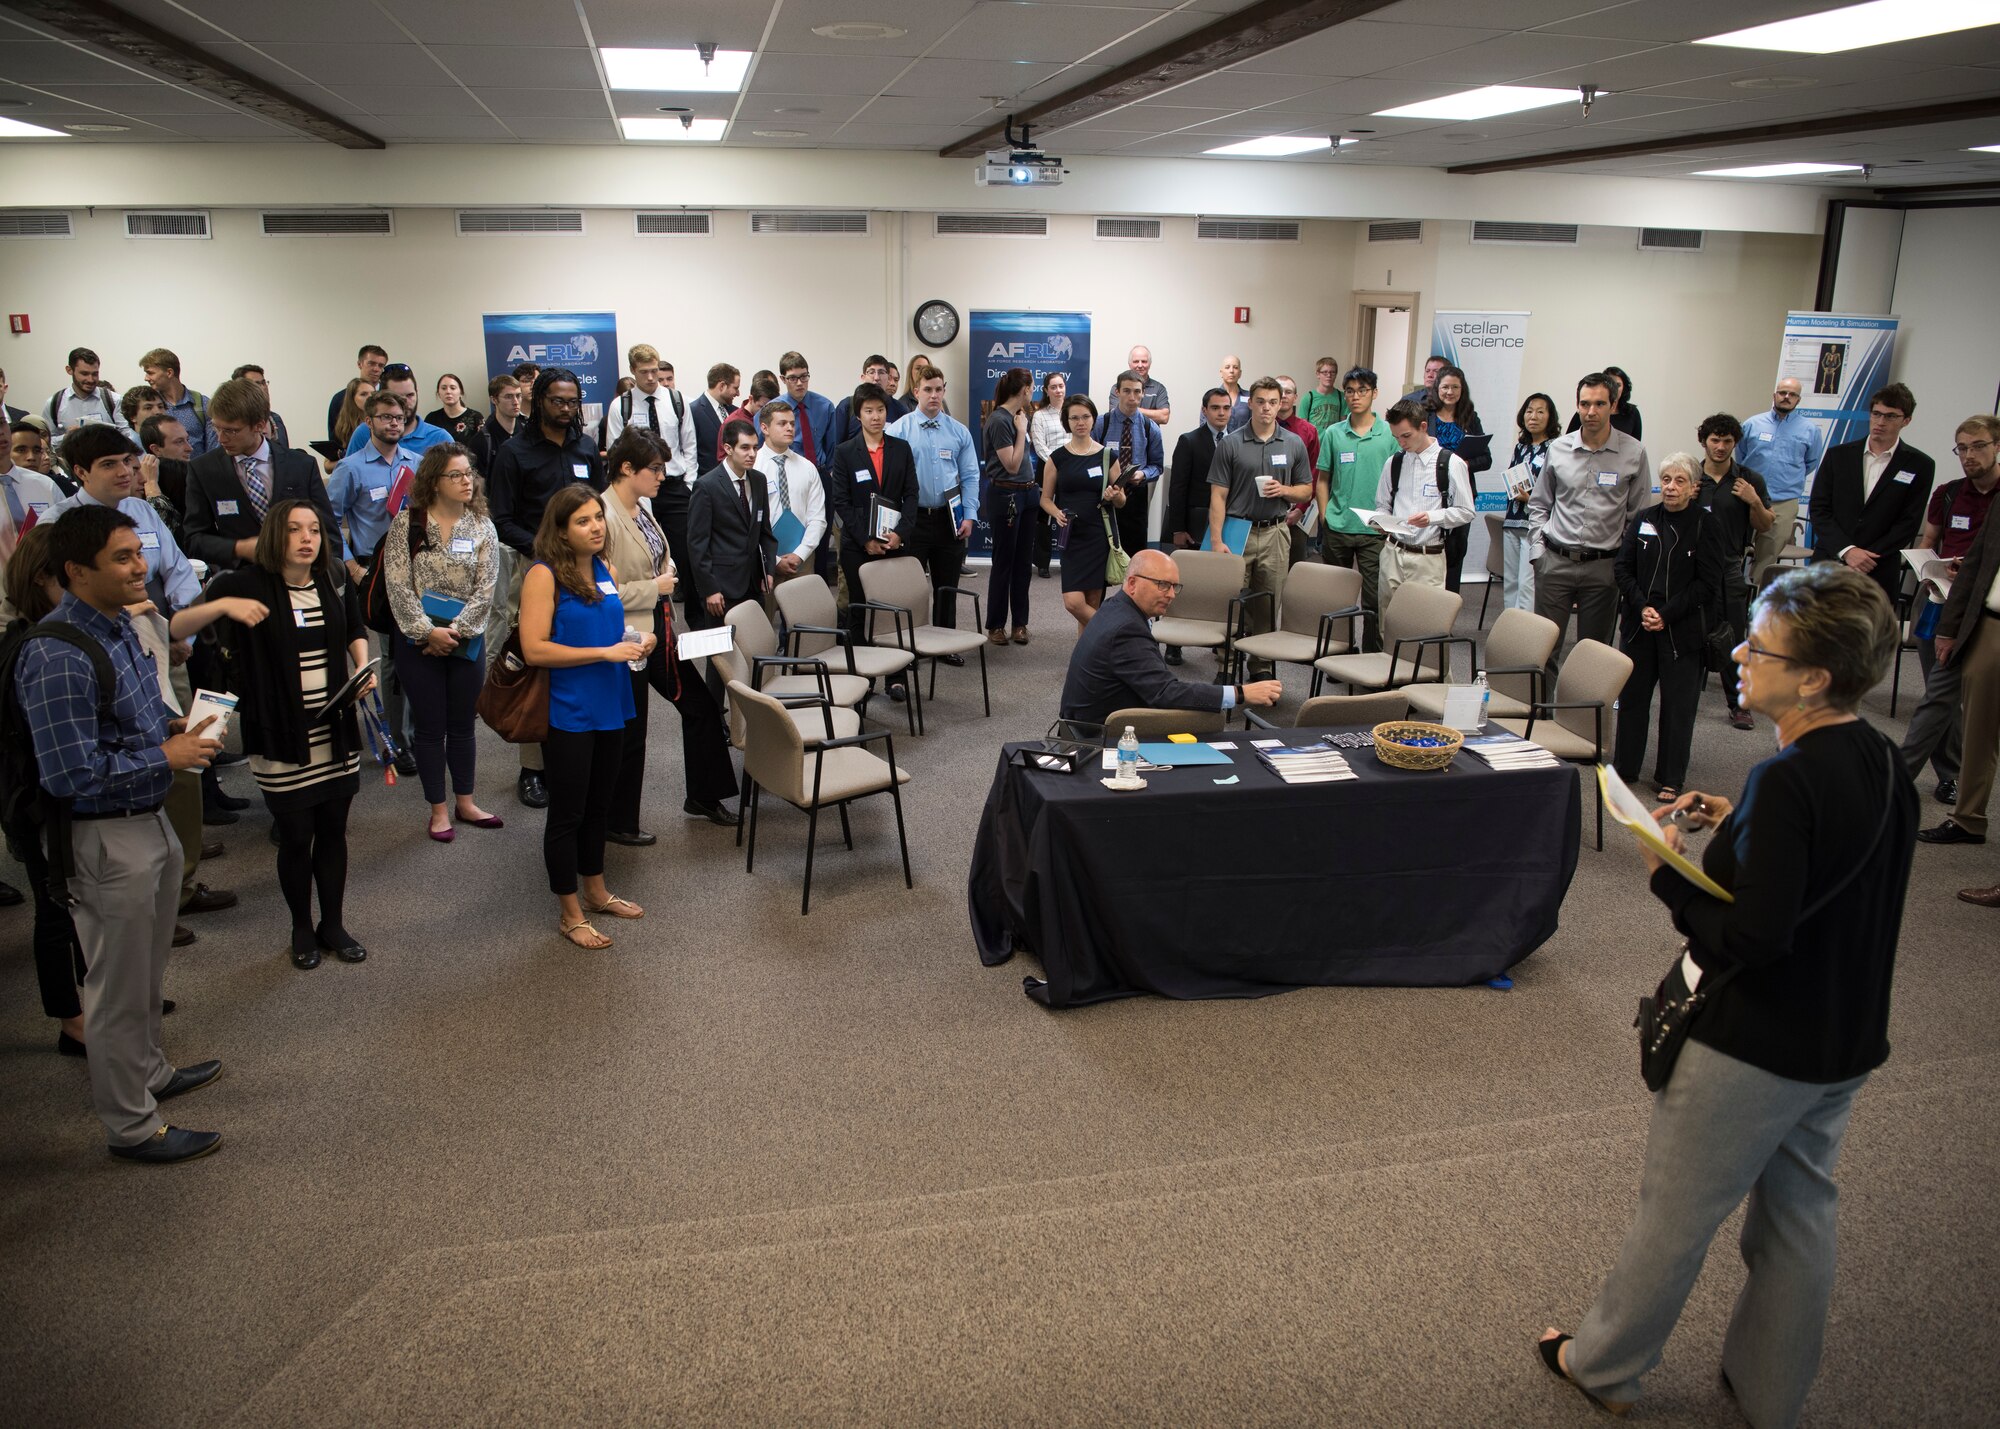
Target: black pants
1009,515
1455,541
58,957
1736,608
1045,529
1133,518
580,769
853,556
709,775
1678,675
933,539
312,852
670,509
443,694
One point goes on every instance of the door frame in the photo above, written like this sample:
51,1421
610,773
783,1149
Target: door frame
1362,325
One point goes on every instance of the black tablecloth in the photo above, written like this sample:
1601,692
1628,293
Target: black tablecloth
1190,889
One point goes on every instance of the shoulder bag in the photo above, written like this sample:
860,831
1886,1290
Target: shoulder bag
514,701
1666,1017
1115,559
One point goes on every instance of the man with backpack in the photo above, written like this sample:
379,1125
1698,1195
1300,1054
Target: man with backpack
652,403
1425,488
87,398
163,375
105,750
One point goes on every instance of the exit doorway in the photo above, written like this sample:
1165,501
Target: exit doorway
1385,339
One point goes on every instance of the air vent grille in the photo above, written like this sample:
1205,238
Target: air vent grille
1137,228
1396,230
676,223
991,225
327,223
1670,240
487,220
191,224
1247,230
34,225
1488,231
802,222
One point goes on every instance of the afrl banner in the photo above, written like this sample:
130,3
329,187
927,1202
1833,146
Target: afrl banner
1488,348
1043,343
1838,359
585,343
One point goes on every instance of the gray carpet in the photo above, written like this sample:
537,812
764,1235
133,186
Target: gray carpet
748,1168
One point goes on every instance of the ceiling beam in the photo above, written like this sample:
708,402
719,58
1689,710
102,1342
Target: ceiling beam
1250,32
1896,195
1984,107
106,27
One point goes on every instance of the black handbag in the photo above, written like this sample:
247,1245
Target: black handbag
1666,1018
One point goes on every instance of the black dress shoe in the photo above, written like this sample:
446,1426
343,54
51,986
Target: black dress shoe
1947,791
533,793
167,1005
68,1046
208,900
183,935
341,944
10,896
952,660
222,800
305,951
214,815
898,693
714,813
633,838
1949,833
224,759
212,849
1042,571
1174,655
187,1079
406,764
170,1144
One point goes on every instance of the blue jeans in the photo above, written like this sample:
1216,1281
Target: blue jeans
1011,514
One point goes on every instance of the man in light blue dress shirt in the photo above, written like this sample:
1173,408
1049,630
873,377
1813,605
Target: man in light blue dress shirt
419,436
107,465
1784,446
360,490
1135,439
946,462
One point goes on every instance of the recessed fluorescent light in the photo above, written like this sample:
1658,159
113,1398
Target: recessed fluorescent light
1276,146
651,127
1879,22
15,129
680,69
1482,103
1777,171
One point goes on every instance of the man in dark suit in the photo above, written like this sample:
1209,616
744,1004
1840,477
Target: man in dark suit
230,487
710,410
1968,637
1117,665
868,465
1868,498
730,541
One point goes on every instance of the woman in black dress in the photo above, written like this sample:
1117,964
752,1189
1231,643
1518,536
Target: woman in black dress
461,421
1079,482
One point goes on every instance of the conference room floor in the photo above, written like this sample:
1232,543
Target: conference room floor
748,1168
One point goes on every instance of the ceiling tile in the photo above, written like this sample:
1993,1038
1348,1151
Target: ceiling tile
454,129
954,112
1365,46
254,21
805,74
565,131
1685,20
528,67
924,21
1235,89
480,22
408,99
40,62
402,63
1656,68
225,124
548,103
981,79
1510,59
138,99
1524,13
1052,33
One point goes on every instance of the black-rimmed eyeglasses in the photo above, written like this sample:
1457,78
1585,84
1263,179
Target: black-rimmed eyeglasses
1761,652
1171,587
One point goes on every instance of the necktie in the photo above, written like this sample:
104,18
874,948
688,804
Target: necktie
743,490
653,414
784,493
253,485
1125,448
806,435
14,502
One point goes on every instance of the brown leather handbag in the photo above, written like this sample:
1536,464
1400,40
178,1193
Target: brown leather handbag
514,701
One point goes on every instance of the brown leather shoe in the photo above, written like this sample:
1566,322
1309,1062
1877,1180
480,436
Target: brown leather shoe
997,637
1984,897
1020,635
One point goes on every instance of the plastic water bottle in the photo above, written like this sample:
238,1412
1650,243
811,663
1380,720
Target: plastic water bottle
637,639
1128,756
1485,697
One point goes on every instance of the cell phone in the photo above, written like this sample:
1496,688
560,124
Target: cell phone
1698,807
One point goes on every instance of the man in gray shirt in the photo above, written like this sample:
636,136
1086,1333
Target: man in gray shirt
1259,473
1595,482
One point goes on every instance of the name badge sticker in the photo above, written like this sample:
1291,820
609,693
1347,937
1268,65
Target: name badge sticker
1279,459
40,508
463,545
1430,490
299,619
1961,523
378,493
608,587
1095,471
947,454
149,540
225,508
864,476
1607,478
1766,436
1905,477
1646,529
580,470
1347,458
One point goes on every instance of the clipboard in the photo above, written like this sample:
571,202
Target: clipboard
1476,447
1624,807
344,697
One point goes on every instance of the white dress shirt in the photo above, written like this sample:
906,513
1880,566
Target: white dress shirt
795,487
1417,490
1873,467
679,437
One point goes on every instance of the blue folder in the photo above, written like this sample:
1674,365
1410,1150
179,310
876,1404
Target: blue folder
443,610
1235,535
1183,754
789,530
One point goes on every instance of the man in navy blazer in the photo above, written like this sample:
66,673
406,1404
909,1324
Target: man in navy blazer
1868,498
222,522
1117,664
851,477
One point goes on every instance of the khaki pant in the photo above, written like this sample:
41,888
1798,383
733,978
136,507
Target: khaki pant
1267,556
1401,567
1766,544
1980,681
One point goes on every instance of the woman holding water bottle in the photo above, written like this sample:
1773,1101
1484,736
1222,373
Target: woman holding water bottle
573,626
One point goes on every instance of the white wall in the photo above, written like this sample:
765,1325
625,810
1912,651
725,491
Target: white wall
1864,277
1948,297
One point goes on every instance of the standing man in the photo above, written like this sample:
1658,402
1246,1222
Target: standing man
507,398
419,436
710,410
368,365
1741,505
1153,393
942,522
1186,518
1258,473
1423,486
846,421
870,465
655,405
10,414
183,403
110,757
1594,484
1783,446
232,485
1324,405
1869,496
1968,636
1352,453
1434,367
812,438
1141,450
86,399
796,490
1957,514
729,535
360,490
548,452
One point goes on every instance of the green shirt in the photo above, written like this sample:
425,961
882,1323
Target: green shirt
1322,409
1353,466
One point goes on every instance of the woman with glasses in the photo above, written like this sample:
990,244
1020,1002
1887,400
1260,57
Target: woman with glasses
458,421
1453,419
1535,426
441,558
1079,489
1796,974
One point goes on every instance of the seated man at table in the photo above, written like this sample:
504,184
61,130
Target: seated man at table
1117,665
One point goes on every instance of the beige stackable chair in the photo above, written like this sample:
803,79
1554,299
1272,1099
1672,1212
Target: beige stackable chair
1796,552
1517,652
1158,724
1325,711
899,590
757,645
812,627
1496,560
1417,630
1315,597
1202,616
1578,724
834,772
817,720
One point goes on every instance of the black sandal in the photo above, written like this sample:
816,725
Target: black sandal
1551,1350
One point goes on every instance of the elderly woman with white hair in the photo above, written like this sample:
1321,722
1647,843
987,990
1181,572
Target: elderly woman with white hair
1669,571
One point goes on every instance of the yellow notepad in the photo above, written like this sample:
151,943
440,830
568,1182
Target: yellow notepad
1624,807
1181,739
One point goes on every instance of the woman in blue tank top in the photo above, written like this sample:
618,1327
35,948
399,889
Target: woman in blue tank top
573,625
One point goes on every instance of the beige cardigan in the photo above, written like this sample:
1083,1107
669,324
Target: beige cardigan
626,552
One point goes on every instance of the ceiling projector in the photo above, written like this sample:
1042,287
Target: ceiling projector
1018,167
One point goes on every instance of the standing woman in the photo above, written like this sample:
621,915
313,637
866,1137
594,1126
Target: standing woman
1081,479
1797,973
283,670
351,415
1669,573
573,626
457,419
1045,434
1010,504
1535,426
441,558
1454,418
636,547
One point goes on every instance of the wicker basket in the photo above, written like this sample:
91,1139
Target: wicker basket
1403,756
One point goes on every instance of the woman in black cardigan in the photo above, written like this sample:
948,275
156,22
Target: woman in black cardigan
282,670
1797,973
1669,573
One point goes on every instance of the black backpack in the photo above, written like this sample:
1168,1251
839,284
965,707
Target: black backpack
27,810
1445,459
376,612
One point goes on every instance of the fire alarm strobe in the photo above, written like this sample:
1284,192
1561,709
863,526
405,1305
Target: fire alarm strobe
1243,315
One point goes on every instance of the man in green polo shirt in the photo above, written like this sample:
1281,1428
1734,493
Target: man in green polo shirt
1352,454
1323,406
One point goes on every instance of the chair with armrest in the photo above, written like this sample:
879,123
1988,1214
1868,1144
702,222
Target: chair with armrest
1151,724
813,628
1496,560
816,717
1517,652
1578,724
1316,598
1417,630
1325,711
1202,614
899,593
